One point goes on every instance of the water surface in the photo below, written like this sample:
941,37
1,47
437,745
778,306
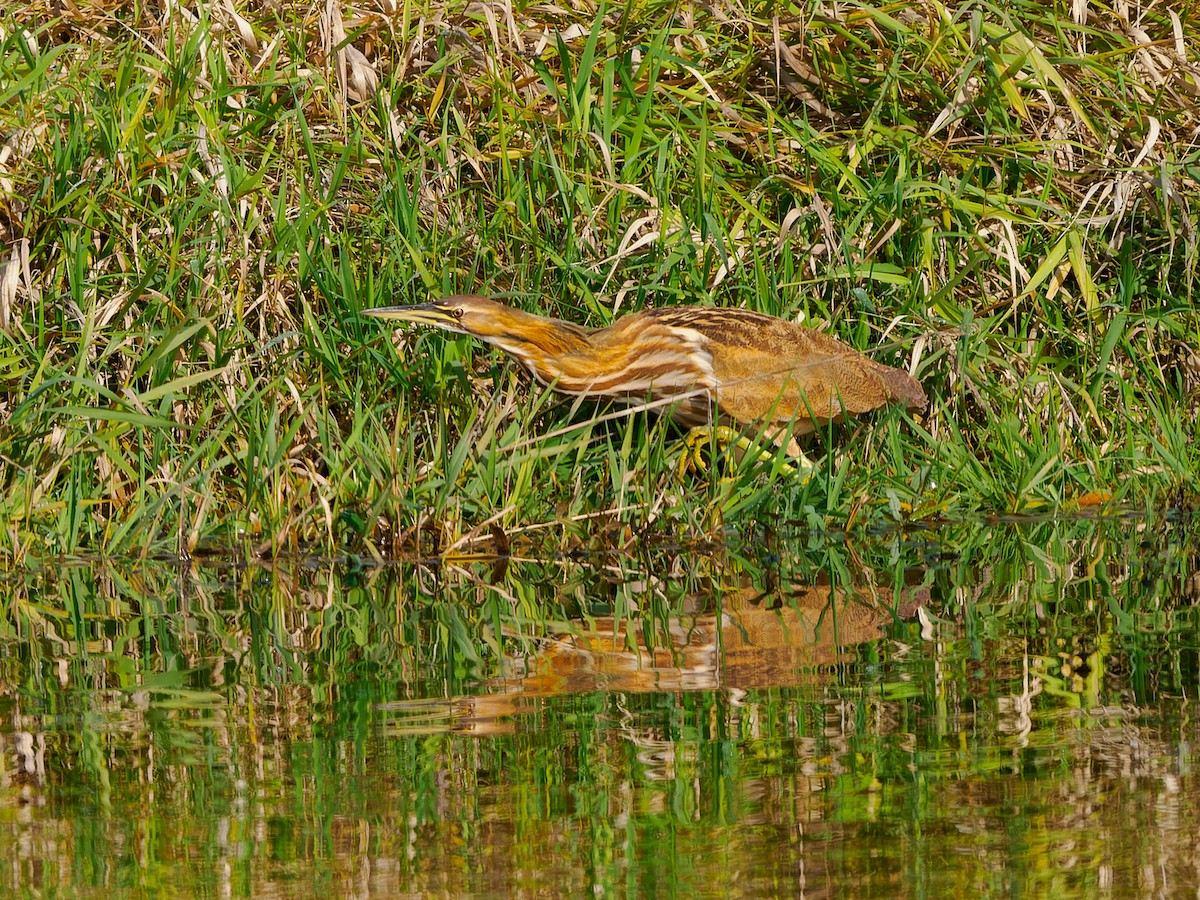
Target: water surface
1004,708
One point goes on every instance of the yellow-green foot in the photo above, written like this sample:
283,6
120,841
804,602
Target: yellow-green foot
702,436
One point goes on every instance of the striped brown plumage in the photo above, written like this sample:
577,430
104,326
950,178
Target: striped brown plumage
724,366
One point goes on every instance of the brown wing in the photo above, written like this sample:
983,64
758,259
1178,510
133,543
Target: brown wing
772,371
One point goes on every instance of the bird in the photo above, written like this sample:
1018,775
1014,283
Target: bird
725,368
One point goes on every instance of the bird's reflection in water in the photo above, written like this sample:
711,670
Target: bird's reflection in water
734,643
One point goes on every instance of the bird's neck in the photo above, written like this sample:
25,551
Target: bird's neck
538,341
627,359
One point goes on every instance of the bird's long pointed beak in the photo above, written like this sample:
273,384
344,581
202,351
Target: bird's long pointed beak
415,312
421,313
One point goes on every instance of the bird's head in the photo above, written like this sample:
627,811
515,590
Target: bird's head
520,333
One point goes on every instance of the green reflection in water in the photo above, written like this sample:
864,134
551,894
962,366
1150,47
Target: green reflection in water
1002,708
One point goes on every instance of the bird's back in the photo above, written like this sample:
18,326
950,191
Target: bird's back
772,370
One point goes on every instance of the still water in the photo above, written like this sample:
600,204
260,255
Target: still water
979,709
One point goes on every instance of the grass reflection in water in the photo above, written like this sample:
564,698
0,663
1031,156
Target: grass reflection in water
1003,705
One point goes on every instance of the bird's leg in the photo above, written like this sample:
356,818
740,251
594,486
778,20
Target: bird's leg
701,435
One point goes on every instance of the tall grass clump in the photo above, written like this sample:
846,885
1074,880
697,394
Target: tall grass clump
196,201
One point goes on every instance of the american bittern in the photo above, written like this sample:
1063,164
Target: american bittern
723,366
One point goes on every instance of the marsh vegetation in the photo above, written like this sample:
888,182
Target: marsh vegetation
198,203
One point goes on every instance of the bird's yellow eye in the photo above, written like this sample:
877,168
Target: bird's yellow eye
458,312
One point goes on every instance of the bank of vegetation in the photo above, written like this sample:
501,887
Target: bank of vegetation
196,201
